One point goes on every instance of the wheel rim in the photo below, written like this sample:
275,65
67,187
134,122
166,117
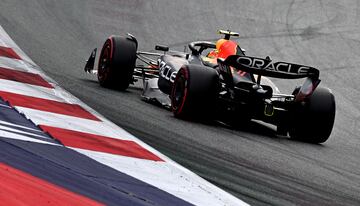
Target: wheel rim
104,61
179,93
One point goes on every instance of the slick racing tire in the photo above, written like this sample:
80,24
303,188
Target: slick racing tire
313,119
194,92
117,62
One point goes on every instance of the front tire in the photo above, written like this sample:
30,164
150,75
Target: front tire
313,119
117,62
194,92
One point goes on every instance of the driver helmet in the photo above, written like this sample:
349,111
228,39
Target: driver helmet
219,43
214,53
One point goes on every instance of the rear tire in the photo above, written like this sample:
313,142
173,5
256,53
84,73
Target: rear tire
117,62
194,92
313,119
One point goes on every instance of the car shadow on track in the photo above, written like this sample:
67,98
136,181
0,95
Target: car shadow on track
264,130
95,83
254,127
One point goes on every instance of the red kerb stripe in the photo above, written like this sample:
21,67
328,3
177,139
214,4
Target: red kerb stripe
47,105
9,53
23,77
99,143
20,188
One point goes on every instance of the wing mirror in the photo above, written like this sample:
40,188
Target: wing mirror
161,48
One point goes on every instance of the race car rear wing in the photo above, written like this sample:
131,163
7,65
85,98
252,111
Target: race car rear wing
265,67
284,70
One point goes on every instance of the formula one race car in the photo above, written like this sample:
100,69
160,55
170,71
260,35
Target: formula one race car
222,84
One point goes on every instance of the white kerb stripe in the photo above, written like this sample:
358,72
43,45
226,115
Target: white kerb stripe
74,123
167,177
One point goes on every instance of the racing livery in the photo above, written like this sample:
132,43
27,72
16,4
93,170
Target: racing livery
218,80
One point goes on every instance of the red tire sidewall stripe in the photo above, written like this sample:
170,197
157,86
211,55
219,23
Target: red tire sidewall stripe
110,39
112,47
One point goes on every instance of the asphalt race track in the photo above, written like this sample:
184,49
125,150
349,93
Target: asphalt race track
253,164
